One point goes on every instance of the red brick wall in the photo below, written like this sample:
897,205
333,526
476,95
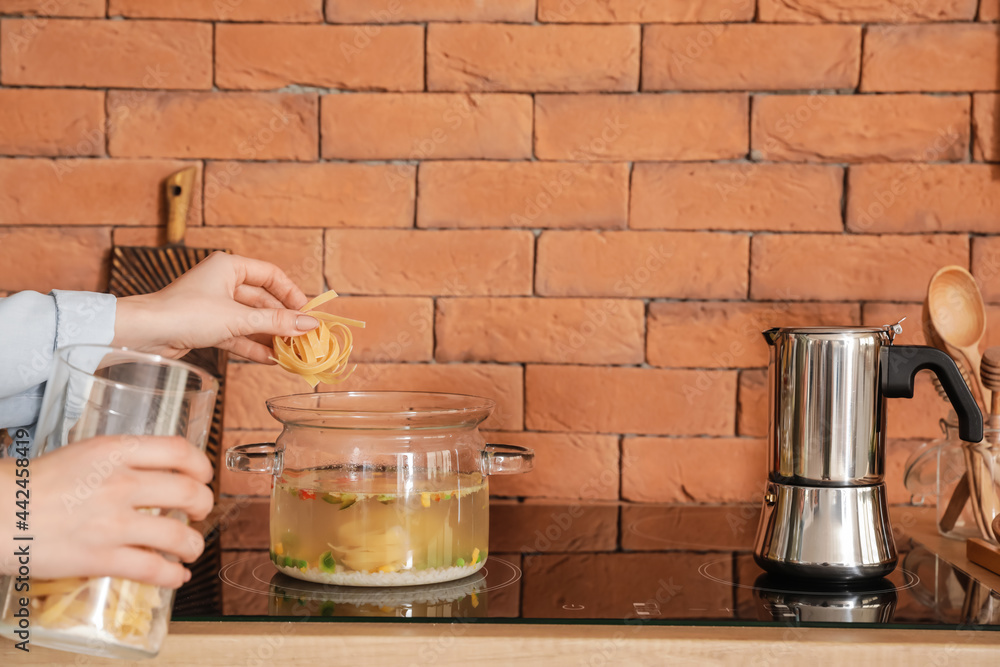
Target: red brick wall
586,209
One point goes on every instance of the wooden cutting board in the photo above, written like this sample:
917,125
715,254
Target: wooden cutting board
142,270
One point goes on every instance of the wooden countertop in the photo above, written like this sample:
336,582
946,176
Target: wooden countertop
463,644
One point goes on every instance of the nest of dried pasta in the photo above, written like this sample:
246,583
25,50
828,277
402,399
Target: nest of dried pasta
320,355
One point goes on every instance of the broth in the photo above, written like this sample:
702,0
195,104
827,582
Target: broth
333,526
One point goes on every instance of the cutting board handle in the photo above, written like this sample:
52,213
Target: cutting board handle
179,188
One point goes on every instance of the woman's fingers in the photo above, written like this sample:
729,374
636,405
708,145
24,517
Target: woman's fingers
169,453
248,349
171,491
273,321
164,534
256,297
272,279
145,566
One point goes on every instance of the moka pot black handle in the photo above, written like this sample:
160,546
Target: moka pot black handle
900,365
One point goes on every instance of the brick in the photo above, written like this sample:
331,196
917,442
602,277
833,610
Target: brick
51,122
874,314
753,417
690,527
985,122
554,58
865,11
247,528
645,11
294,11
248,386
706,334
264,56
501,383
750,57
566,465
281,194
160,54
81,8
630,400
297,252
431,263
696,126
681,265
88,192
391,11
986,268
860,128
673,470
607,585
923,198
579,331
397,328
989,10
246,126
399,126
829,267
750,196
948,57
523,194
242,483
530,527
32,263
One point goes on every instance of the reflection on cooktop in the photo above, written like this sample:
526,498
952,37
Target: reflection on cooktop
602,562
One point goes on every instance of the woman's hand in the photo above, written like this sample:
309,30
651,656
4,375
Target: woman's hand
87,502
226,301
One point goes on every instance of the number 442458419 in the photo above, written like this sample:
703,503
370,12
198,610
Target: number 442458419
23,474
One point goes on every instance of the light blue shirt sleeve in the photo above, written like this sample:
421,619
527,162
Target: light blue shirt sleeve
32,327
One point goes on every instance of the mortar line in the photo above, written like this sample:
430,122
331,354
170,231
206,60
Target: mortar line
427,30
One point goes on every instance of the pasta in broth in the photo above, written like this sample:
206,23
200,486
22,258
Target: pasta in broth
320,355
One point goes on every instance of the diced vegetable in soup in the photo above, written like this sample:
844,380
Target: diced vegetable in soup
332,527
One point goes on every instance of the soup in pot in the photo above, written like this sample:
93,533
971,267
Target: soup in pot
332,526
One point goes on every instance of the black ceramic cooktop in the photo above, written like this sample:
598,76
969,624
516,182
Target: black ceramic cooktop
602,563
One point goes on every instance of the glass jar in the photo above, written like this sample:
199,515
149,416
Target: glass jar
93,391
379,488
963,478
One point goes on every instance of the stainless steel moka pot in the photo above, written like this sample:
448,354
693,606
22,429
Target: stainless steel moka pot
825,512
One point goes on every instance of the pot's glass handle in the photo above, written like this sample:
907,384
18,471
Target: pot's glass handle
258,457
507,459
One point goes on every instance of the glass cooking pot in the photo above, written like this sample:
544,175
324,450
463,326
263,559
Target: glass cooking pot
379,488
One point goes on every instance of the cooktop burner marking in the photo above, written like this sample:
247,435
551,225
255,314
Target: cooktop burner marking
263,572
910,579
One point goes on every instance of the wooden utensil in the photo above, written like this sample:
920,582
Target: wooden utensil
958,315
987,450
990,371
141,270
983,554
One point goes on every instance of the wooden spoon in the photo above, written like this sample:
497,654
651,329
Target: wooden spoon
990,371
958,315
